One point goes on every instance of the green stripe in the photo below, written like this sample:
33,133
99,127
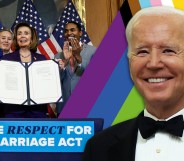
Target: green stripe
132,106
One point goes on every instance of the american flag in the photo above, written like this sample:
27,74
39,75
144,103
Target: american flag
29,14
55,43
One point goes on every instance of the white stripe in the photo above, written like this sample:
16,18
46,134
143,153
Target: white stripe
48,50
38,51
90,43
1,133
1,130
167,3
58,48
51,56
1,127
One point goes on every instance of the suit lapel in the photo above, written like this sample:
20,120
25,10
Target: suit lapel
124,149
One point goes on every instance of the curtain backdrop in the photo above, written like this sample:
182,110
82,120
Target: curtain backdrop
99,16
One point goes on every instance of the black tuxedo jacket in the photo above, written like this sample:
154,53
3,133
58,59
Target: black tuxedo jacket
116,143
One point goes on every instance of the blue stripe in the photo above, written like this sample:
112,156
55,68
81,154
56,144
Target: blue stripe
114,93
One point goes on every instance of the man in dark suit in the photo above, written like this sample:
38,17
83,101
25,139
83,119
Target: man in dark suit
156,56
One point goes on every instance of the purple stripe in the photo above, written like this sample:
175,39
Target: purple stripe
98,72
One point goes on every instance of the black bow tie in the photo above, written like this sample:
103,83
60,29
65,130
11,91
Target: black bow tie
148,126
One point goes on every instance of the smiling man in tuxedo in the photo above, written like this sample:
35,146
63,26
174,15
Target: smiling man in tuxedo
156,57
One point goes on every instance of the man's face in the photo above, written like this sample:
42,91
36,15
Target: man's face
71,30
157,60
5,41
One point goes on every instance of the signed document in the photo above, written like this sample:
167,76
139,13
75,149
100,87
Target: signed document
30,83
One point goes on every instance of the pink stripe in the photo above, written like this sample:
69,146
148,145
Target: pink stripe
156,2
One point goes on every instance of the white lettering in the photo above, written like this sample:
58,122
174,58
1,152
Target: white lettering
50,141
13,142
79,130
33,142
70,142
45,142
62,142
21,142
78,141
26,141
87,129
4,142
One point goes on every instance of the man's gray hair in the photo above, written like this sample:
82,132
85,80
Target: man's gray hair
158,10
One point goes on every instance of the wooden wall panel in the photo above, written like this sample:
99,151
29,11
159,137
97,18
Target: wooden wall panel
99,16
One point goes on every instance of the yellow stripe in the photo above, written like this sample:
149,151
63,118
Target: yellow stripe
179,4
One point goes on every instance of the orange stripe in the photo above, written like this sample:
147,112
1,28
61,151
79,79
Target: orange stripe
134,6
51,46
43,52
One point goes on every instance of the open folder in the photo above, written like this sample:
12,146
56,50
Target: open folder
30,83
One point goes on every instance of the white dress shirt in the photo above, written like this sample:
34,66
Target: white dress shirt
160,147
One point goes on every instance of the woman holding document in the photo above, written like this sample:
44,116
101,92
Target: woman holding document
25,43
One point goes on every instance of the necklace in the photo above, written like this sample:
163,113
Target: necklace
25,56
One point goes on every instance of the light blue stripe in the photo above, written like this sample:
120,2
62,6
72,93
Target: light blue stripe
144,3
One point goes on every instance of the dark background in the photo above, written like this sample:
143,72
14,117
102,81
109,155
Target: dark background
49,10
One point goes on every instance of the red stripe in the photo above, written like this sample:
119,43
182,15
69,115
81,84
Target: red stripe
51,46
43,52
51,112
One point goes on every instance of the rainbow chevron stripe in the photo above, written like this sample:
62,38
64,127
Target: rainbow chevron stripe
105,89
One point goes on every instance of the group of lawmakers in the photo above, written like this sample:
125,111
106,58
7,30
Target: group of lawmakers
72,62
